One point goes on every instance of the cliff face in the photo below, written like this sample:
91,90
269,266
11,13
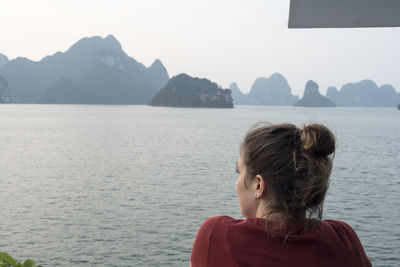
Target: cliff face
99,66
4,91
185,91
313,98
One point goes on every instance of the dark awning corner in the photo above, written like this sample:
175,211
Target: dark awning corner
344,13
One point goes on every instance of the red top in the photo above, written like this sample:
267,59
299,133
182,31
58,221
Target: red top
224,241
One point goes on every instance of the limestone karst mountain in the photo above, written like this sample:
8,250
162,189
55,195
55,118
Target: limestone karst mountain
313,98
238,97
274,90
99,66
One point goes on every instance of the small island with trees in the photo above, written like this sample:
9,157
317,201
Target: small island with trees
186,91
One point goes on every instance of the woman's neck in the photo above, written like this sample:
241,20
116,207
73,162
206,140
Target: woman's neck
265,212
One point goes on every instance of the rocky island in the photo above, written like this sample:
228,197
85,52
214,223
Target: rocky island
186,91
313,98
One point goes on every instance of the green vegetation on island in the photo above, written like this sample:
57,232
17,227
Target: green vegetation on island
185,91
8,261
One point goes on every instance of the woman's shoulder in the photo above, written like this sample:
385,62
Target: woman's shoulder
217,236
217,221
218,227
227,221
348,239
340,227
208,239
221,219
337,223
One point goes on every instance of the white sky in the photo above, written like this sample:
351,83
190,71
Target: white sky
222,40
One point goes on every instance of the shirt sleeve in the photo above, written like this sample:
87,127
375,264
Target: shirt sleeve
359,253
201,245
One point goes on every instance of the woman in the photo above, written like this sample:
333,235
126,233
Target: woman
283,178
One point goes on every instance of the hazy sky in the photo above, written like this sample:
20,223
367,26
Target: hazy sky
222,40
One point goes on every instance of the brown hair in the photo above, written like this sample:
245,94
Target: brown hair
296,164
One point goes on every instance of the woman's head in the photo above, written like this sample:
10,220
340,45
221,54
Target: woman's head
291,167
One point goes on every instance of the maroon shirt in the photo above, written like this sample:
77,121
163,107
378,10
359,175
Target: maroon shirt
224,241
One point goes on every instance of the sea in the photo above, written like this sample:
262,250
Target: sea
93,185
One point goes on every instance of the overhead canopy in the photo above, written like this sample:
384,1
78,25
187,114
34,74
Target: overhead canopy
344,13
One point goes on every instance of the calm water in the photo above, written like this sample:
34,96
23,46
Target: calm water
131,185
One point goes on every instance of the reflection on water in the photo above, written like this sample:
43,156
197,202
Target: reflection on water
131,185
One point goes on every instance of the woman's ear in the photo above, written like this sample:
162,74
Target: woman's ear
261,186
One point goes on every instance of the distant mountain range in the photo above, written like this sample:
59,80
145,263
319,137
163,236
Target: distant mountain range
364,94
96,70
276,91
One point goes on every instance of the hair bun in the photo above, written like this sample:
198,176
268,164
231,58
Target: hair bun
318,140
